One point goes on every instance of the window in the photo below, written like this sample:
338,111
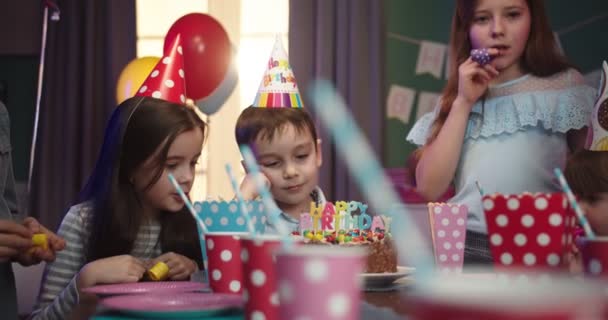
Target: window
252,28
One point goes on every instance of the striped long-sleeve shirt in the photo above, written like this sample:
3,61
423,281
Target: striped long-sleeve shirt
59,293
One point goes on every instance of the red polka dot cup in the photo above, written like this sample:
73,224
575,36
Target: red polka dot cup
529,230
595,255
320,282
448,229
508,296
259,275
224,255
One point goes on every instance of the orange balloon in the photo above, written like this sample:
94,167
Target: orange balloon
132,77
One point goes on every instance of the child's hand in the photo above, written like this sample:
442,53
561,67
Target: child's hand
14,239
180,267
36,254
117,269
473,78
249,188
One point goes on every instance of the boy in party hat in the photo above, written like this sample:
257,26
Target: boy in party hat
284,140
587,170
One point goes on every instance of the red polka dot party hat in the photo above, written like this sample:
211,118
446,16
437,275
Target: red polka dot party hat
166,81
278,88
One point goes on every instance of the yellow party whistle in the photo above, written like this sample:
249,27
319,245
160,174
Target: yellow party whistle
159,271
40,240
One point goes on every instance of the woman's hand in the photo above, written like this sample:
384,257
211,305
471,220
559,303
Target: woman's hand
117,269
473,79
36,254
180,267
249,188
14,239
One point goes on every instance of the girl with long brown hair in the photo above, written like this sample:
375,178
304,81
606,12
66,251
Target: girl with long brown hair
506,124
130,215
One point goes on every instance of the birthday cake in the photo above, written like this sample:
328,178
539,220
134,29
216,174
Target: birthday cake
348,224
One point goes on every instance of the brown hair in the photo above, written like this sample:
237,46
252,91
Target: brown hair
587,174
136,129
263,123
540,58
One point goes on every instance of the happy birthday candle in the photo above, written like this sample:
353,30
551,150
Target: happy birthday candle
272,210
201,225
369,174
239,196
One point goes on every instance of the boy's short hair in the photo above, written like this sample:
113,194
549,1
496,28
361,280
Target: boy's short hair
262,123
587,174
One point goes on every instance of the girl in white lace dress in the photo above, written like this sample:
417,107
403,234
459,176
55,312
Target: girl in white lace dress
506,124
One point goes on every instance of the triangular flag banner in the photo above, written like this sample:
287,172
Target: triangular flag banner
166,81
278,88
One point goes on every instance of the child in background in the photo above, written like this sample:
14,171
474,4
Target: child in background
506,124
130,216
284,140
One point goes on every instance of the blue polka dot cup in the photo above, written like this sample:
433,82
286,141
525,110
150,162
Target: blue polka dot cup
529,230
595,255
320,282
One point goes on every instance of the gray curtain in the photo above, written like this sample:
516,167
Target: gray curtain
342,41
86,50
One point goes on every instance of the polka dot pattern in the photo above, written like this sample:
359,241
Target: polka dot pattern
260,279
449,230
224,259
225,216
528,230
335,299
166,81
595,257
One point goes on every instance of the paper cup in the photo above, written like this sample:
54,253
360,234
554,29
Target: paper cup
449,229
224,254
595,256
320,282
529,230
259,276
507,298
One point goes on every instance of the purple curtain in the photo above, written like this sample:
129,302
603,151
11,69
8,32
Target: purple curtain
342,41
86,50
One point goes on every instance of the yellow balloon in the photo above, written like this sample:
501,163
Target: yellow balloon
132,77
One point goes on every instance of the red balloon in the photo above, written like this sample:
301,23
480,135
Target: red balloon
206,49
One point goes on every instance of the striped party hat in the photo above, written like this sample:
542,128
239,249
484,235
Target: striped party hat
166,81
278,88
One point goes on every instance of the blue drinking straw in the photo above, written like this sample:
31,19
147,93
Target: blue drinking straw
202,228
272,210
479,188
239,196
364,166
574,204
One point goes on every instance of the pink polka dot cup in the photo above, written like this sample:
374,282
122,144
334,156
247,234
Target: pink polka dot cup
224,254
529,230
595,256
320,282
448,229
510,296
259,276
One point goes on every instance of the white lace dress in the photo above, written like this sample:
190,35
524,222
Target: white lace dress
515,140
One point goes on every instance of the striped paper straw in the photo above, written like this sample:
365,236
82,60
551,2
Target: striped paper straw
479,188
577,209
272,210
201,225
365,168
239,196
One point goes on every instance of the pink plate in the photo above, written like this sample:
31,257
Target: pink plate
174,304
147,287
